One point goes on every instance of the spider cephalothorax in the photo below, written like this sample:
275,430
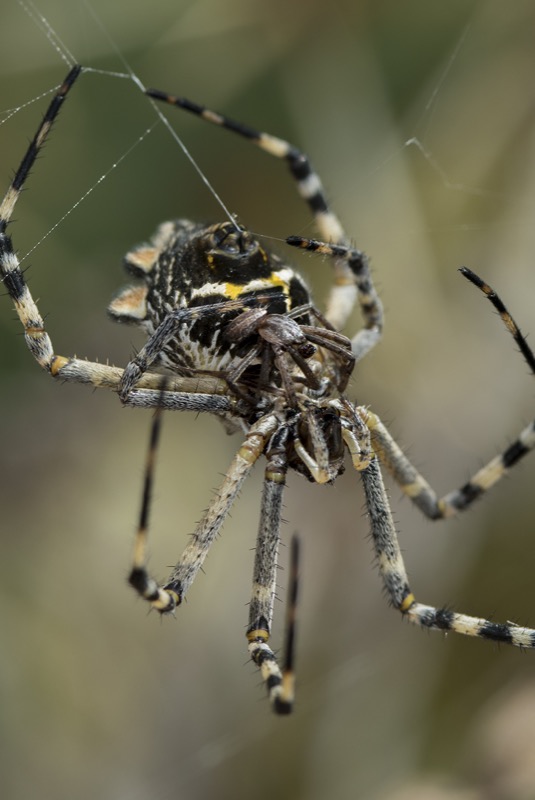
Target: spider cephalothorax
233,331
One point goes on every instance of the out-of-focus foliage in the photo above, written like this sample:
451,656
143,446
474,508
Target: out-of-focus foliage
100,700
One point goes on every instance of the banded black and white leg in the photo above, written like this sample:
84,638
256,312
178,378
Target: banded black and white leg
166,597
395,579
410,480
371,307
352,279
202,393
35,335
280,684
415,486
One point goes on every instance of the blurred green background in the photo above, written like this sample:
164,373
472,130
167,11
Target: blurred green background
101,700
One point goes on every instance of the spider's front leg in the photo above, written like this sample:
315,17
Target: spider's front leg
37,339
409,479
356,263
77,370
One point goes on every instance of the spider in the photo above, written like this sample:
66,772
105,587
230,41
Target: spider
232,330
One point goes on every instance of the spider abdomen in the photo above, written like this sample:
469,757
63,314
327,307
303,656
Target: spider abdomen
190,266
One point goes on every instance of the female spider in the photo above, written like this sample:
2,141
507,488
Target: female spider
232,330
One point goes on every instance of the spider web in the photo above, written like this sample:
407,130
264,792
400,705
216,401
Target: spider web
423,136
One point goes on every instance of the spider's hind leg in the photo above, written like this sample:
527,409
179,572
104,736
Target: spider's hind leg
279,683
396,582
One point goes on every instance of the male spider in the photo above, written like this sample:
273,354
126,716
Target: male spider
233,331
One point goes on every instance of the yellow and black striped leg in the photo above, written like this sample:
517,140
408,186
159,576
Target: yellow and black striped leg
199,393
395,579
368,299
166,598
418,489
162,600
409,479
350,277
446,620
385,538
307,180
280,684
207,530
505,316
37,339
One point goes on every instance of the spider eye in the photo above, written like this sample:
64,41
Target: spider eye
230,247
230,240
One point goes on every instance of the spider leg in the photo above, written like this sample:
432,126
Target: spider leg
193,393
169,328
280,685
338,345
165,598
409,479
309,185
160,599
418,489
37,339
184,401
368,299
506,317
104,376
394,576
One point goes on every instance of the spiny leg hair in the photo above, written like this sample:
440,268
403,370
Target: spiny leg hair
165,598
393,573
280,685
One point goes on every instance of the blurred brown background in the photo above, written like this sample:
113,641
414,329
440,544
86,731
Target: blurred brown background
101,700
